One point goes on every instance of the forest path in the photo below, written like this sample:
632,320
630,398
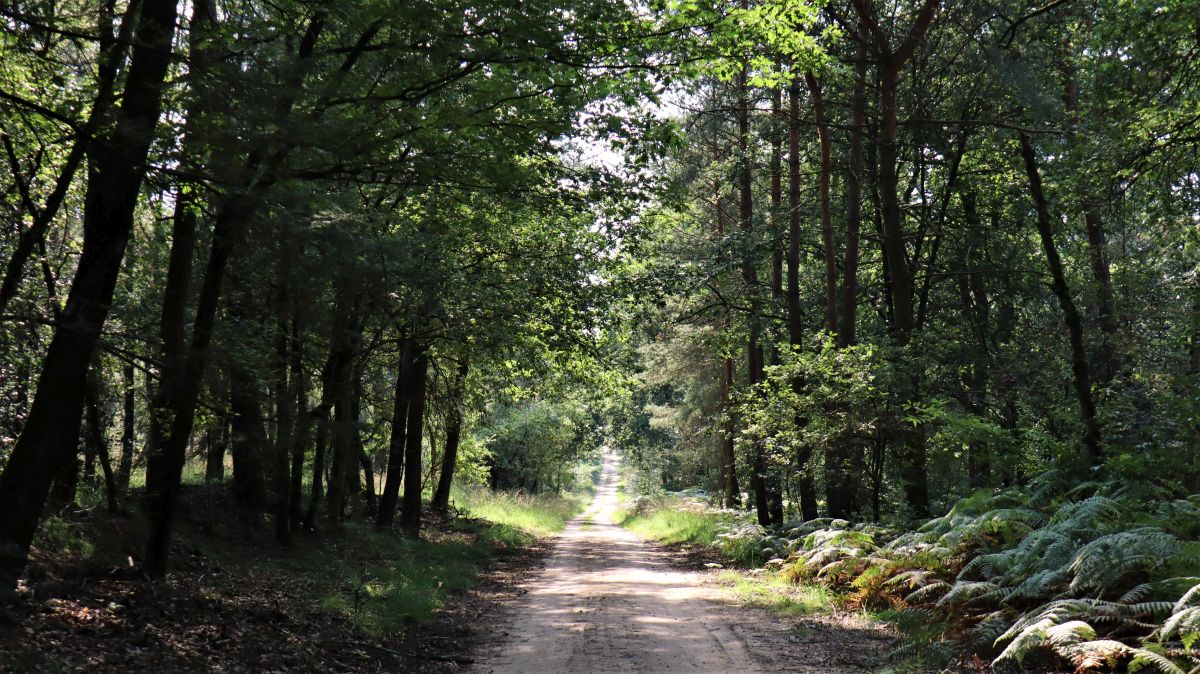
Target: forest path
608,601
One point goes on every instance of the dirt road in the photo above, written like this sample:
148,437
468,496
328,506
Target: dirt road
609,602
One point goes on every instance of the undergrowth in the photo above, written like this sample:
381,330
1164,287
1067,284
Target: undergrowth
381,582
1092,578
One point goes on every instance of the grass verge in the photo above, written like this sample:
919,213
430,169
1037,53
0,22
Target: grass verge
775,593
515,517
688,522
671,523
385,583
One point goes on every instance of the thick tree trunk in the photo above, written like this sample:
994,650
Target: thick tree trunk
249,442
343,457
214,456
1079,365
454,422
410,514
899,274
51,430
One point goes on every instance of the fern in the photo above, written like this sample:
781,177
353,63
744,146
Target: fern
1102,563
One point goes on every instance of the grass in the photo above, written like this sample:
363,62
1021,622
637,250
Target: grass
383,583
775,593
519,516
672,525
675,520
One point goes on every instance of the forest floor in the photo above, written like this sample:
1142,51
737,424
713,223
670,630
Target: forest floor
610,602
352,601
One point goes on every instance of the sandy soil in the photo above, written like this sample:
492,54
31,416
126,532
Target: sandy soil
609,602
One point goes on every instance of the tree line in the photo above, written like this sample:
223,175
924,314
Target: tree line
305,237
926,248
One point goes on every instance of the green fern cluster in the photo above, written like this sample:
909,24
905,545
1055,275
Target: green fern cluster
1100,576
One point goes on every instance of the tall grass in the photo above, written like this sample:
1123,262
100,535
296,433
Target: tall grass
671,523
537,515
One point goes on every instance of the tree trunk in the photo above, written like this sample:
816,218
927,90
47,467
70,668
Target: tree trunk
214,459
128,427
303,426
249,442
1079,364
754,355
364,494
1109,360
285,393
774,478
1194,349
96,440
454,422
51,430
395,464
410,513
345,343
795,313
976,310
318,472
858,120
828,250
733,494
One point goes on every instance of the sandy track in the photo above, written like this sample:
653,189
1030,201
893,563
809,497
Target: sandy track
609,602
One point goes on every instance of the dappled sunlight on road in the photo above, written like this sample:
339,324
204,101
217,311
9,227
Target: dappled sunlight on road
609,602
